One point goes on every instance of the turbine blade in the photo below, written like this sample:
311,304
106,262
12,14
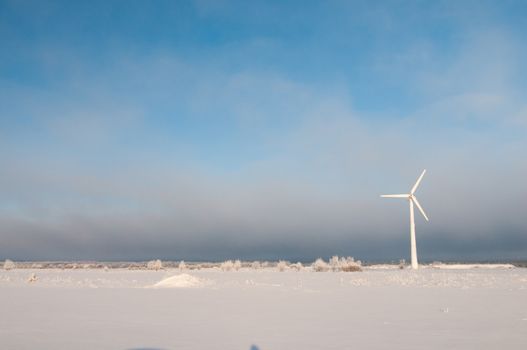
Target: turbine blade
419,206
417,182
395,195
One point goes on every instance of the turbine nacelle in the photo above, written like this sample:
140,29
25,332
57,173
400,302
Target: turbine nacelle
410,196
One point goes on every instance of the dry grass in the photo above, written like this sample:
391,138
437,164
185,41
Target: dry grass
351,268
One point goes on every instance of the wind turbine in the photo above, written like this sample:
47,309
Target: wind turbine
412,199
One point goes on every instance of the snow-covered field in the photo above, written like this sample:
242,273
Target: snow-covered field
381,307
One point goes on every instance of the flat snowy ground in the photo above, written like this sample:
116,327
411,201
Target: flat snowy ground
478,308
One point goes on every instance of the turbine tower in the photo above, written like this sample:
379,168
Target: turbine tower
412,199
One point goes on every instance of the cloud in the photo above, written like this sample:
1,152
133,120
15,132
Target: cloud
313,191
160,154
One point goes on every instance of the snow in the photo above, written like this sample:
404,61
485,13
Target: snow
472,266
181,281
483,307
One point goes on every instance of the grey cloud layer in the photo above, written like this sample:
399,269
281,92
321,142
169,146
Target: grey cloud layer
312,191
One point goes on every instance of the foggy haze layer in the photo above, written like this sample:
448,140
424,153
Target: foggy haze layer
210,131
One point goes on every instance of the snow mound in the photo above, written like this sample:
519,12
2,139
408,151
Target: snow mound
181,281
471,266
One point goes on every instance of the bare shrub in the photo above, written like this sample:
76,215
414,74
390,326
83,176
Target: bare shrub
255,265
207,265
344,264
182,265
9,265
237,265
402,264
351,268
349,264
154,265
136,266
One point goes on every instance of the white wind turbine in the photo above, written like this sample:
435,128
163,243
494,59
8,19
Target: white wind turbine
412,199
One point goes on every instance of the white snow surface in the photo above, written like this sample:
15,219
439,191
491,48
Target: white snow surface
379,308
183,280
471,266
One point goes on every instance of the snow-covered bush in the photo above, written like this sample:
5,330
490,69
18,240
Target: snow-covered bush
32,278
182,265
154,265
334,263
320,265
298,266
227,265
344,264
350,265
282,265
9,265
230,265
255,265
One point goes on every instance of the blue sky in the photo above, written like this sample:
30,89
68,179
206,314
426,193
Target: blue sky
225,129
